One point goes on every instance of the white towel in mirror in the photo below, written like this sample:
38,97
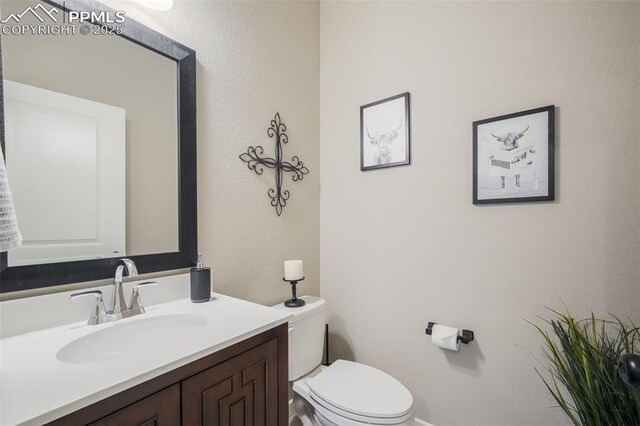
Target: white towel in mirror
9,234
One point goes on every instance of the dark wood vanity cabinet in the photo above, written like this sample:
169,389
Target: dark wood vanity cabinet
242,385
236,392
162,408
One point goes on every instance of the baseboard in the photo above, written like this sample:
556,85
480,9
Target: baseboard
421,422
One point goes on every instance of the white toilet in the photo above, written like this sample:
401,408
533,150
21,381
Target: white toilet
345,393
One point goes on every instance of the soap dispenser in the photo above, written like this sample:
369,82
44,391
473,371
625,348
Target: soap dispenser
200,282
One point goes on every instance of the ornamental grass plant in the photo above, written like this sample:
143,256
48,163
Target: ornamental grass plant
581,358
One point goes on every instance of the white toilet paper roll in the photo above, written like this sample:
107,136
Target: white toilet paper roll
445,337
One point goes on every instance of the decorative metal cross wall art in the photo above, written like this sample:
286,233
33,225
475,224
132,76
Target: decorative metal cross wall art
256,162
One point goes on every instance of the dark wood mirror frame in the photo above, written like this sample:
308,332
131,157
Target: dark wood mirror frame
47,275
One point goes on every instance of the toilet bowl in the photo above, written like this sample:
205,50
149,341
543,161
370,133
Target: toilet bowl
350,393
345,393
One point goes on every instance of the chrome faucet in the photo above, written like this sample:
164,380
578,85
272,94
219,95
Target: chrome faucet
118,304
118,308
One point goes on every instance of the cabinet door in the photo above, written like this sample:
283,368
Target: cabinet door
159,409
242,391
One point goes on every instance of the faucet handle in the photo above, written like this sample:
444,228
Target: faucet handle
136,302
96,293
99,310
146,283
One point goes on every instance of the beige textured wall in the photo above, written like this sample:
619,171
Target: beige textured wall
114,71
404,246
254,59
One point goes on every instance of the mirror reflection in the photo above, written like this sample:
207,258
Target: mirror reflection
91,125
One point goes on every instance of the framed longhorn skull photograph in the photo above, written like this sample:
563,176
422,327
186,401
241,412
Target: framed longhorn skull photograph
513,157
384,133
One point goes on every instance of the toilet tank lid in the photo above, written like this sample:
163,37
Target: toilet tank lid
313,306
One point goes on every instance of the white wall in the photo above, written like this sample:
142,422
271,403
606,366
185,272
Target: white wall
254,59
404,246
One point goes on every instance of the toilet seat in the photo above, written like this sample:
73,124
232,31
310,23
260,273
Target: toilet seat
360,393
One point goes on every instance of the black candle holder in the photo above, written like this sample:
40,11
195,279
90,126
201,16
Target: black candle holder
294,302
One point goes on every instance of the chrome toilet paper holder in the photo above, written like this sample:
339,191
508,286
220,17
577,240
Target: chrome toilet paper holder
466,337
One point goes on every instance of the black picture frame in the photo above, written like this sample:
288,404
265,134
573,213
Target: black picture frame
30,277
407,133
525,158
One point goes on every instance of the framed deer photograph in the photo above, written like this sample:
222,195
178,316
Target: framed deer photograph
513,157
385,133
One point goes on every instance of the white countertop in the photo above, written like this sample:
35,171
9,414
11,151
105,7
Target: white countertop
35,387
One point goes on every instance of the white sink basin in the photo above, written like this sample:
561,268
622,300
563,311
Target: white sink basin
136,337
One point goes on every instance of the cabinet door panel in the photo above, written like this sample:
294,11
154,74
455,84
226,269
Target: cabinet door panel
242,391
159,409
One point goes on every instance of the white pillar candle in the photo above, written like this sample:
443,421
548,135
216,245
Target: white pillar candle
293,270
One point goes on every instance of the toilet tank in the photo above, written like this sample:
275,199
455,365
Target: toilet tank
306,335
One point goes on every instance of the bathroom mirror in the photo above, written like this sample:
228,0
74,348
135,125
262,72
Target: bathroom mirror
99,140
